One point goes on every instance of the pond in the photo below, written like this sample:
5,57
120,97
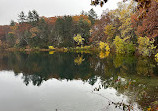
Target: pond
76,82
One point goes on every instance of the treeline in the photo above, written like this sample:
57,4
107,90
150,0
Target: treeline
40,32
127,29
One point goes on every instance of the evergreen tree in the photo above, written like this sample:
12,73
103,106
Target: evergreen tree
12,23
92,16
35,15
22,17
30,17
83,29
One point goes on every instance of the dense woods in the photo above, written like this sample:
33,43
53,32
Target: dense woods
127,29
34,31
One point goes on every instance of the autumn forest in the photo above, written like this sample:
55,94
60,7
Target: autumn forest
125,30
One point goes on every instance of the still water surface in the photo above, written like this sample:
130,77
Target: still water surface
76,82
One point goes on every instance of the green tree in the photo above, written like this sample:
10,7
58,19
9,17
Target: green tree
64,30
12,23
92,16
84,29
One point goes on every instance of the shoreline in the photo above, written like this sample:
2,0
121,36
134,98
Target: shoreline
47,50
78,50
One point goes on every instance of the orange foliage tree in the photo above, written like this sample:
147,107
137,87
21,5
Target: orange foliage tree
77,18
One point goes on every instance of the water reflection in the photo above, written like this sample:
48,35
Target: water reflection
134,78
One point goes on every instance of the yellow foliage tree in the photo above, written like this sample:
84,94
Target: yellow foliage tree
123,46
79,39
110,30
146,46
104,46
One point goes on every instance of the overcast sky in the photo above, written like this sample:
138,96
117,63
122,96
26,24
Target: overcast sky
9,9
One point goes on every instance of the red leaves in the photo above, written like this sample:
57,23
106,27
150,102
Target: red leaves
3,30
24,26
148,25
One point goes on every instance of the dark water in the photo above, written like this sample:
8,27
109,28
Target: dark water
76,82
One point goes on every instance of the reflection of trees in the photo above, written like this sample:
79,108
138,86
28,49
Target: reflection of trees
138,89
3,59
123,74
144,67
37,67
138,73
78,60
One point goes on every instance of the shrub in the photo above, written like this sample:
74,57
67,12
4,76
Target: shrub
51,47
79,39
